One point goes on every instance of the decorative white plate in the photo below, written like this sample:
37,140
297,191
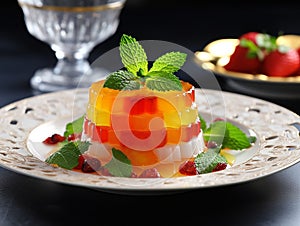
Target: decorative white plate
24,124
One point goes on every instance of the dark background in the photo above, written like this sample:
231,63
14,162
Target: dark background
273,200
191,24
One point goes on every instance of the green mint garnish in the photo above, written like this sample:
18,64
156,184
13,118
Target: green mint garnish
163,81
67,156
252,139
122,80
205,162
169,62
160,77
133,55
119,165
74,127
216,132
227,134
202,123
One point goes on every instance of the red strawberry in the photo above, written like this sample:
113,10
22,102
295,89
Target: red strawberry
250,52
242,61
281,62
245,58
252,36
297,73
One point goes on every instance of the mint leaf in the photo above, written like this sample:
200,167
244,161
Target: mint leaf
205,162
236,139
252,139
119,165
75,126
67,156
133,55
122,80
216,132
163,81
169,62
202,123
227,134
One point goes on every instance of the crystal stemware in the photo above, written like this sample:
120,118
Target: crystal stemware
72,28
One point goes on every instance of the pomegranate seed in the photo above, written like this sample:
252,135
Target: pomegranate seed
105,172
133,175
211,144
188,168
150,173
80,162
90,164
218,119
54,139
220,166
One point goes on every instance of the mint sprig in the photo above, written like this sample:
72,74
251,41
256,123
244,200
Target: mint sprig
205,162
169,62
226,134
119,165
122,80
163,81
67,156
133,55
160,77
74,127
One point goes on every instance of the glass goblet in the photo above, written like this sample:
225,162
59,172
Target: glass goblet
72,28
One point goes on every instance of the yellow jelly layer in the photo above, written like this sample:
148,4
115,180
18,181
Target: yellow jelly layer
175,108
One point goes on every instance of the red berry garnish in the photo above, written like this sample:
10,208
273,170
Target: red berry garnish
218,119
104,171
188,168
133,175
220,166
88,164
211,144
150,173
80,162
54,139
91,165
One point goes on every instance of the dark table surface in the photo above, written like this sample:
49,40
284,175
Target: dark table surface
24,200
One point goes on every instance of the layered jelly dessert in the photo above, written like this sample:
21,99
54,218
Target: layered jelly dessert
153,129
143,121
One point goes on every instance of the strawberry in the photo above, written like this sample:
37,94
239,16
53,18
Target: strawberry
248,55
252,36
281,62
242,61
297,73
